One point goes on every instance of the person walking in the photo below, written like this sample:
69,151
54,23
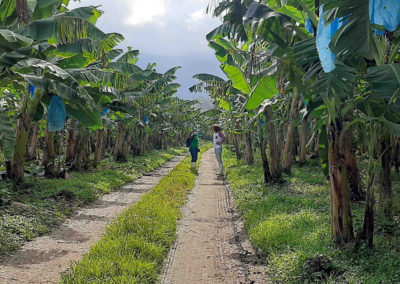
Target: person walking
194,148
219,139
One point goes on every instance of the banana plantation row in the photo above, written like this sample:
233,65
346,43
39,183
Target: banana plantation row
68,95
314,79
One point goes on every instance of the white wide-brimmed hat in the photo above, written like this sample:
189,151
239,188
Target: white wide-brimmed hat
216,125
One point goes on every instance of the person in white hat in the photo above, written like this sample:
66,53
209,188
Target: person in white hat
219,139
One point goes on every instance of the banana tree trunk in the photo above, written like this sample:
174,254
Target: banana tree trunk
288,150
249,157
99,146
105,143
80,158
146,143
22,10
281,140
396,156
303,141
73,135
342,222
15,168
276,170
356,192
17,162
165,141
237,147
159,144
128,144
135,144
49,158
92,142
373,167
386,193
32,151
142,140
316,147
369,215
295,144
262,144
88,151
120,145
109,140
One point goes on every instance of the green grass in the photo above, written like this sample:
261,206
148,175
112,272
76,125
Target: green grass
135,245
289,225
50,201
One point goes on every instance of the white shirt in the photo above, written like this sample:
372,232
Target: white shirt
217,139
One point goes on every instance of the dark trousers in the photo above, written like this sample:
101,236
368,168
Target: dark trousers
195,154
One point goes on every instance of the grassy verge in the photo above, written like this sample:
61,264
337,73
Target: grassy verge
135,245
289,224
45,203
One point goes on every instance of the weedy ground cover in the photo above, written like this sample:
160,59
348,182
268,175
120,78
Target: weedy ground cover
135,245
289,224
45,203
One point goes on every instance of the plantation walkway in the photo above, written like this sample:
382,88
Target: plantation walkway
212,246
42,260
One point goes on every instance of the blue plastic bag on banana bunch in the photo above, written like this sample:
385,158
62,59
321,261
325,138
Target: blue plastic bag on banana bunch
57,115
385,13
325,34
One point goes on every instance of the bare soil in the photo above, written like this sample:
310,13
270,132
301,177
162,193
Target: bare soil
212,245
42,260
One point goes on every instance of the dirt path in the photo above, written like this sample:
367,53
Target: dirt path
42,260
212,246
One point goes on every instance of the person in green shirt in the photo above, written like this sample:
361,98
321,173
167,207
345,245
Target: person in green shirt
194,148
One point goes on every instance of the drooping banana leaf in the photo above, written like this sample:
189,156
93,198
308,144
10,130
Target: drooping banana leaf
77,61
385,79
7,136
89,119
64,29
265,89
238,78
10,41
45,8
130,57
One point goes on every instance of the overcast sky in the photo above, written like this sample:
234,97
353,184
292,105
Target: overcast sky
168,32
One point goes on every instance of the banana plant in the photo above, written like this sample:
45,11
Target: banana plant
136,102
381,49
227,98
279,37
339,91
27,59
271,35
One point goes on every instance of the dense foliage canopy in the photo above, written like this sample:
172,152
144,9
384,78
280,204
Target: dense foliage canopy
313,78
69,94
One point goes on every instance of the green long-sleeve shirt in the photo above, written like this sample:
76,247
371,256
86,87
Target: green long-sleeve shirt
195,142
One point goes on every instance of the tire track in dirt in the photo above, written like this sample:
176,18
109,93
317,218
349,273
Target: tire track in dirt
42,260
212,245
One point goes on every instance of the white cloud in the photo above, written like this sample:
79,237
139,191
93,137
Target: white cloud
196,20
179,42
146,11
159,27
197,16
